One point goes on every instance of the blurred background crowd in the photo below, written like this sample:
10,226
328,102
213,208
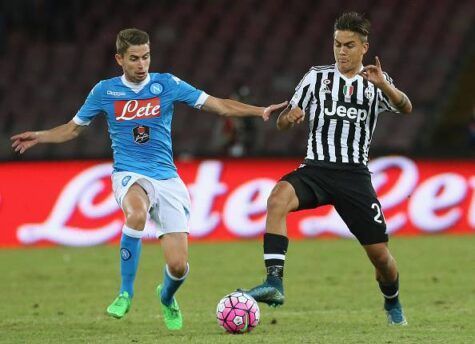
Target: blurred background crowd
52,52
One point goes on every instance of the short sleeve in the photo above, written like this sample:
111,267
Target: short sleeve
384,102
91,107
188,94
303,91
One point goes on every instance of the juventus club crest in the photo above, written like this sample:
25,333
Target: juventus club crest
368,93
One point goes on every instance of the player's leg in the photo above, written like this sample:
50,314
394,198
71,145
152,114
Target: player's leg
294,192
388,279
171,216
358,206
175,250
135,206
281,201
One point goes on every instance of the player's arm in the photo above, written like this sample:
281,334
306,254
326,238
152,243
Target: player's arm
228,107
398,99
289,117
293,114
59,134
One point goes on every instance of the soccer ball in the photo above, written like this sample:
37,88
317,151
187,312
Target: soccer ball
238,313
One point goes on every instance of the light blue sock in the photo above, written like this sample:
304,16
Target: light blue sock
171,285
130,248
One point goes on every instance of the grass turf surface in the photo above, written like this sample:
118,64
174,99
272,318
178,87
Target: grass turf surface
59,295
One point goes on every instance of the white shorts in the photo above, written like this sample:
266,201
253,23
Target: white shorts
169,200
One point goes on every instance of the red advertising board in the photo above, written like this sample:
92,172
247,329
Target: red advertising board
71,203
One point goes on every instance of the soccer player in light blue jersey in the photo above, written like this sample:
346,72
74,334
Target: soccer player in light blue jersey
139,108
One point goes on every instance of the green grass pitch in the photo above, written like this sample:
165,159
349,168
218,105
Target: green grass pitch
59,295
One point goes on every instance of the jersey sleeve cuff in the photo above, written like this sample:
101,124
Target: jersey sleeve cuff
80,121
292,104
201,100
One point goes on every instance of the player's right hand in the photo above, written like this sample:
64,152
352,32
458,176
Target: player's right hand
24,141
295,115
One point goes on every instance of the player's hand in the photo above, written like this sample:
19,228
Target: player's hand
295,116
24,141
270,109
374,74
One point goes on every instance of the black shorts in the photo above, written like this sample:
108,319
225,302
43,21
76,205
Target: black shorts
351,193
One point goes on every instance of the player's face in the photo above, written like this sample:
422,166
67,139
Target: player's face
349,50
135,62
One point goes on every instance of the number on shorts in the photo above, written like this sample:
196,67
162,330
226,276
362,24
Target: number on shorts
378,216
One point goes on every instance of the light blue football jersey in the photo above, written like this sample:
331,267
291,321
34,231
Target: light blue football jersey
139,119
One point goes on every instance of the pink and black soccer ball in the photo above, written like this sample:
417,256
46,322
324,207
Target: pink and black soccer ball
238,313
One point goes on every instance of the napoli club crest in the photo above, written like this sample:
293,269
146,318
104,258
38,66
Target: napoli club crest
125,254
125,180
156,88
141,134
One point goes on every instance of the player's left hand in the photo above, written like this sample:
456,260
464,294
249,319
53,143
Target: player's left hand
271,108
24,141
374,74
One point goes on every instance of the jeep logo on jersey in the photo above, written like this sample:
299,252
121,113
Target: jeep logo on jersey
126,110
141,134
351,112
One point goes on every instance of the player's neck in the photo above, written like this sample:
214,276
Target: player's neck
136,87
350,73
133,82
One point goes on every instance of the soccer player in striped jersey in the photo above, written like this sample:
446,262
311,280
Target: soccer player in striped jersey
139,108
342,103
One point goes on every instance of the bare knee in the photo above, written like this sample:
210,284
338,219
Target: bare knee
276,205
177,268
279,202
136,219
381,259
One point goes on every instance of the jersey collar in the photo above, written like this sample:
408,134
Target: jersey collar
133,86
348,80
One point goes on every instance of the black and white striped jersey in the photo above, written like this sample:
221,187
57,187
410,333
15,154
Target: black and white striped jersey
342,114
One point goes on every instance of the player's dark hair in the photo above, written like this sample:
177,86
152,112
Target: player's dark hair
128,37
355,22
